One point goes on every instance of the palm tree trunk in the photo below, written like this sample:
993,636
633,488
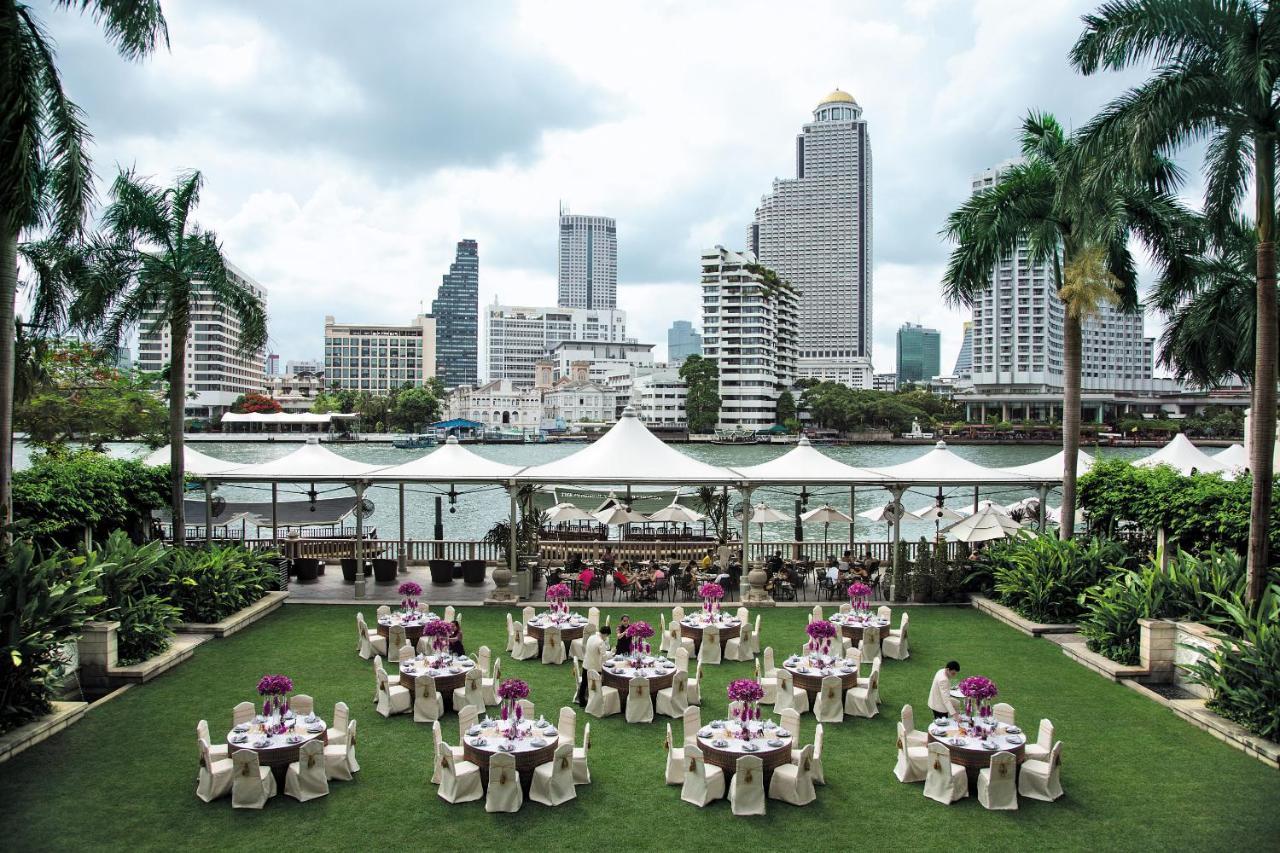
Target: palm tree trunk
1262,435
177,420
8,293
1070,421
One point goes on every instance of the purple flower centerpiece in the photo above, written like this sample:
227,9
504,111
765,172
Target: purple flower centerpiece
410,591
711,593
747,692
639,632
978,691
559,594
511,692
438,630
821,632
275,690
860,597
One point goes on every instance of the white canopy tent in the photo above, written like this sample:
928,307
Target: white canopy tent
449,463
310,463
942,467
193,461
1051,468
1234,457
804,464
1181,454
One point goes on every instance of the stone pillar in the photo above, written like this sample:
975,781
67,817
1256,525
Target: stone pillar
98,653
1156,648
755,594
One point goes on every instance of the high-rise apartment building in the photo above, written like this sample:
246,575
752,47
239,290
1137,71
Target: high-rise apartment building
588,262
518,337
457,309
814,231
304,366
964,358
919,353
217,370
1018,330
379,358
682,342
751,335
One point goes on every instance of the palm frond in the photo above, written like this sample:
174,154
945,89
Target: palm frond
134,27
1122,33
21,131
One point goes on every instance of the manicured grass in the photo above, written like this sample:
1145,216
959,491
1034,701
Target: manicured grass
1136,778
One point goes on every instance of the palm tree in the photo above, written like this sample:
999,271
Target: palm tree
152,264
1078,222
1217,78
46,179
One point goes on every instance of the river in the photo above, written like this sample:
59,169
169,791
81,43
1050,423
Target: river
477,509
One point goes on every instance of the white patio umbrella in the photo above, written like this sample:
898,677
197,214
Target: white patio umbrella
675,512
936,514
982,526
882,515
762,514
827,515
1054,514
619,515
567,512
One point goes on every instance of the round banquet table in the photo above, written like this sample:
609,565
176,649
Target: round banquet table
969,752
618,672
691,626
726,757
277,753
851,626
569,631
807,673
527,755
412,628
446,679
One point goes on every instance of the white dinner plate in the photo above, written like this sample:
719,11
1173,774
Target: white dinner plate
783,733
776,743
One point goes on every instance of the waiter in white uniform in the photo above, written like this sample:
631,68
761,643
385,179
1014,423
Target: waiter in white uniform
940,702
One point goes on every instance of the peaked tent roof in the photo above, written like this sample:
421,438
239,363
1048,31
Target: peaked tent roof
449,463
194,462
628,453
1051,468
1234,456
1181,454
943,467
804,463
309,463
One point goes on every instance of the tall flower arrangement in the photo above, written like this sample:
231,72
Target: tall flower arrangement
747,692
438,630
410,591
559,594
821,633
639,632
711,593
978,691
275,690
511,692
860,597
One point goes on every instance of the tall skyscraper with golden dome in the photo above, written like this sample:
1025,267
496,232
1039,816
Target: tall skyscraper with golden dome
814,230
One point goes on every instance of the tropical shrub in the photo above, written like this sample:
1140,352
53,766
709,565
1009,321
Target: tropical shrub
1243,672
132,582
43,605
1041,577
209,584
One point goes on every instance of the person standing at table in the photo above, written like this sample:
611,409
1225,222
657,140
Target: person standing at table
940,702
596,645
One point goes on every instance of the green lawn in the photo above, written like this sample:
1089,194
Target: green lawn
1135,776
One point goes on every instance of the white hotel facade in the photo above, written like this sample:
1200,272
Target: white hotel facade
518,337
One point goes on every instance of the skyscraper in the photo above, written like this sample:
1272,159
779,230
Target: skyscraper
588,262
814,231
919,353
964,359
682,342
456,309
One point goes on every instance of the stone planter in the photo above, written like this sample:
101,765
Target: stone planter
502,593
755,596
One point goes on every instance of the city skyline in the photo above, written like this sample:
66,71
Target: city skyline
355,218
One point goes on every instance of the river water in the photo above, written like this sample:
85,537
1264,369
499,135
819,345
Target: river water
478,508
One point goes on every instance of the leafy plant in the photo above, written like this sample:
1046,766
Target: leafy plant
131,580
1041,577
209,584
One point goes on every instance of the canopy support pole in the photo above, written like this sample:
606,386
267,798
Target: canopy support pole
275,519
897,491
404,561
1044,498
853,524
511,550
755,592
208,513
359,540
975,498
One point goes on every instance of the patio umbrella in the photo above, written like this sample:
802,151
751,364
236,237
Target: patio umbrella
567,512
827,515
762,514
937,514
677,513
983,525
619,515
1028,508
882,515
1054,514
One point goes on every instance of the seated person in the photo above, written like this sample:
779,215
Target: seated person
624,642
774,563
833,571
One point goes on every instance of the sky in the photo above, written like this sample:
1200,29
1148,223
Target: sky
346,152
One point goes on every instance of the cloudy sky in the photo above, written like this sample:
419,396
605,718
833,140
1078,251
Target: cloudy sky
346,149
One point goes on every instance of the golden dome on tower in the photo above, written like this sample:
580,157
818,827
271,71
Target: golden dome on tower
838,97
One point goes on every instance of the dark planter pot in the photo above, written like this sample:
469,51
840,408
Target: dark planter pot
307,570
384,571
441,572
348,569
473,572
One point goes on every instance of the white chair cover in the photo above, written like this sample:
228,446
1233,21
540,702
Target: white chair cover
383,610
215,776
790,720
436,740
677,613
829,706
746,789
593,617
467,717
242,713
816,613
682,659
672,701
693,687
552,646
819,777
1039,780
524,647
944,781
1004,713
755,636
526,708
846,608
202,733
885,612
340,759
489,686
527,615
997,789
913,760
639,703
392,698
338,731
703,783
679,640
769,678
405,652
895,645
692,723
395,638
864,700
1039,751
793,783
913,735
459,780
302,704
567,725
450,614
371,643
553,781
472,690
602,701
709,651
664,635
428,704
504,793
511,633
253,784
870,647
739,647
306,778
581,772
484,660
788,696
675,760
